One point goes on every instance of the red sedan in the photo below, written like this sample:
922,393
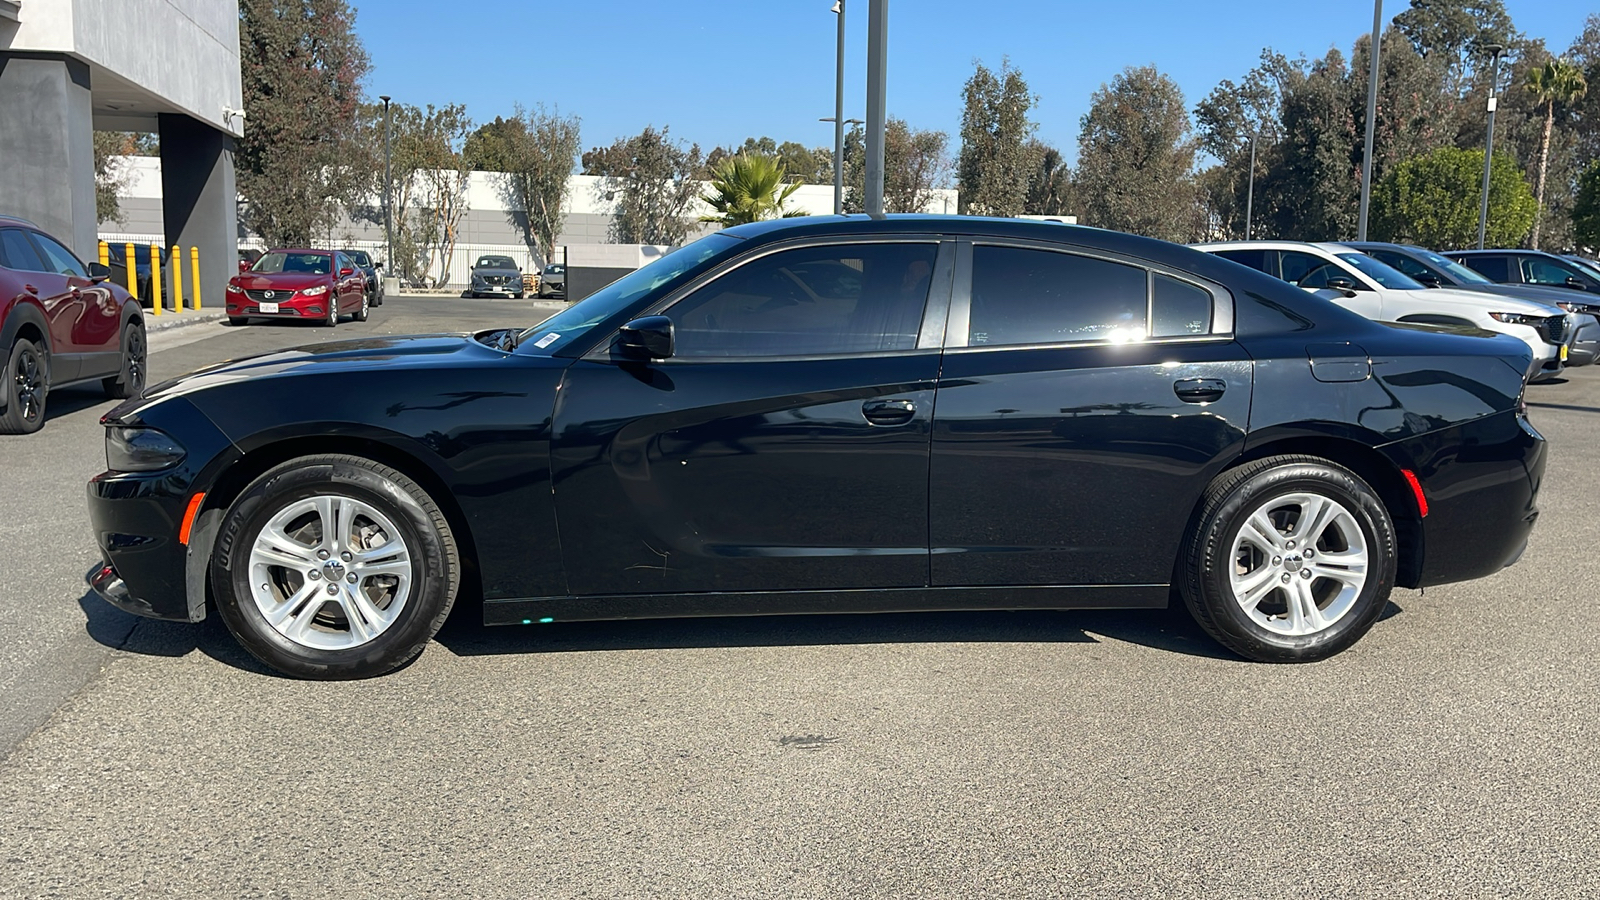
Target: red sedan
298,284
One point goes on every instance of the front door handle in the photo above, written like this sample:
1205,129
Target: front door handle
889,412
1199,390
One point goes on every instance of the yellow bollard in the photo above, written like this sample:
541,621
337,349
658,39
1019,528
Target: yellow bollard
105,254
133,271
155,278
194,269
177,278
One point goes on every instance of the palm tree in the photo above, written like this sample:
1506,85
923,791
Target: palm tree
749,188
1557,81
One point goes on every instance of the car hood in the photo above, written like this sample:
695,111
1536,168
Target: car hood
329,358
1546,296
279,281
1493,301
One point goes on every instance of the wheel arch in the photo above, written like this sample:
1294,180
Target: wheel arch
232,481
1376,470
22,320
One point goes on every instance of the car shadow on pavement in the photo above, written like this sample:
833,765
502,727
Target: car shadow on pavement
153,637
66,401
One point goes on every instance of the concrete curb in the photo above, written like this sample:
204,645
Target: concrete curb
170,320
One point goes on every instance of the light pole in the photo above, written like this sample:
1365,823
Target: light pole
388,228
1250,193
838,115
1488,145
877,82
1372,116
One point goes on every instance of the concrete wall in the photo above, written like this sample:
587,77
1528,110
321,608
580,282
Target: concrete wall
47,147
146,56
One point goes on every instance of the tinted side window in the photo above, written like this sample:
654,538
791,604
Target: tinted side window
1179,308
59,259
1260,260
16,251
1494,268
1022,296
1405,264
1536,270
1308,271
858,298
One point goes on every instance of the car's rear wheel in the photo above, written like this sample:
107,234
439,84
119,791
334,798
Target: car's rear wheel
334,567
29,374
129,382
1293,559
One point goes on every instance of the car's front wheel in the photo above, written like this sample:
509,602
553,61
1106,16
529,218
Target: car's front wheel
334,567
1292,560
29,374
361,314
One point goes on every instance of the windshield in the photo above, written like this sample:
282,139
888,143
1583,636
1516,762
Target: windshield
605,306
554,269
360,256
495,262
298,263
1381,273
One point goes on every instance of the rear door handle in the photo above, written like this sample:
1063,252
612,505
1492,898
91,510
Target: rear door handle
889,412
1199,390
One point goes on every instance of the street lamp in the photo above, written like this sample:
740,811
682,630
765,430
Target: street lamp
1372,115
838,115
1250,193
388,228
1495,51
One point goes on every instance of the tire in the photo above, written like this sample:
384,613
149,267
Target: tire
235,321
517,296
332,321
361,314
1262,604
130,381
28,374
316,636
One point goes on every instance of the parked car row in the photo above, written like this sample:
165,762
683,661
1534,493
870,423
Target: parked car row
494,275
1401,283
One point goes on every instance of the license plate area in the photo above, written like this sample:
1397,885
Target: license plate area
269,307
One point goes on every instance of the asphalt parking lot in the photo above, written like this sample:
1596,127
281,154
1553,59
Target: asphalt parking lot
1451,753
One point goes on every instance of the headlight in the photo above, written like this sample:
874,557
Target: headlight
1517,318
321,289
235,289
141,450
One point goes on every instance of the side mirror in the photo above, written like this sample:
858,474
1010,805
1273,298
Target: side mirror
1575,283
377,265
1429,281
244,266
1343,285
346,273
98,272
649,337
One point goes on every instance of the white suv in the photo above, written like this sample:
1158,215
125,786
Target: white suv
1364,285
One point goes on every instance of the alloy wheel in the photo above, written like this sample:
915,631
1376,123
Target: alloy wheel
330,572
1300,562
28,384
136,361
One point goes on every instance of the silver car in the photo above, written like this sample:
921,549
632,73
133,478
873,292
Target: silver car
496,276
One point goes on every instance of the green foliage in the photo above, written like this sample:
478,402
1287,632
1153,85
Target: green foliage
1454,33
914,165
1555,82
1312,190
995,161
429,183
652,180
533,152
1135,155
1433,200
1586,210
108,177
749,188
302,66
802,164
1050,183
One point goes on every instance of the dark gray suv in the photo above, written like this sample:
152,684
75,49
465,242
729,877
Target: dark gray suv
496,276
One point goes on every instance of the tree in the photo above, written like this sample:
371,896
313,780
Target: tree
1433,200
749,188
302,65
532,153
1557,81
1049,184
109,177
1135,155
1225,121
652,180
1454,33
1312,184
1586,211
430,174
915,164
995,161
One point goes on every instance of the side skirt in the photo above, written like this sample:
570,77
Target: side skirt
788,603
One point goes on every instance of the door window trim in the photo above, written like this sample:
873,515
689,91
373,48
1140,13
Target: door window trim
935,310
960,318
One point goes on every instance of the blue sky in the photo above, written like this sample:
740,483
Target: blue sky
718,71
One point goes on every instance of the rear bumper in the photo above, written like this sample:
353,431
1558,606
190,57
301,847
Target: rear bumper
1481,480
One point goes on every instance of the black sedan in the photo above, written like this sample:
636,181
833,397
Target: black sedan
371,270
834,415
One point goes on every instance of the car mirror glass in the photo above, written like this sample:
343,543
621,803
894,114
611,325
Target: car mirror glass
98,272
648,337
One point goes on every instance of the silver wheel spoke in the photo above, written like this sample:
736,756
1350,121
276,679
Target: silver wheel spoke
369,606
1260,530
1314,516
1252,588
1304,615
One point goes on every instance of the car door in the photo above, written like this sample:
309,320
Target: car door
784,445
96,329
1084,402
1494,267
56,296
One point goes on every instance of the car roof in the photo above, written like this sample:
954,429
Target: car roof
1324,246
17,220
301,250
1521,250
